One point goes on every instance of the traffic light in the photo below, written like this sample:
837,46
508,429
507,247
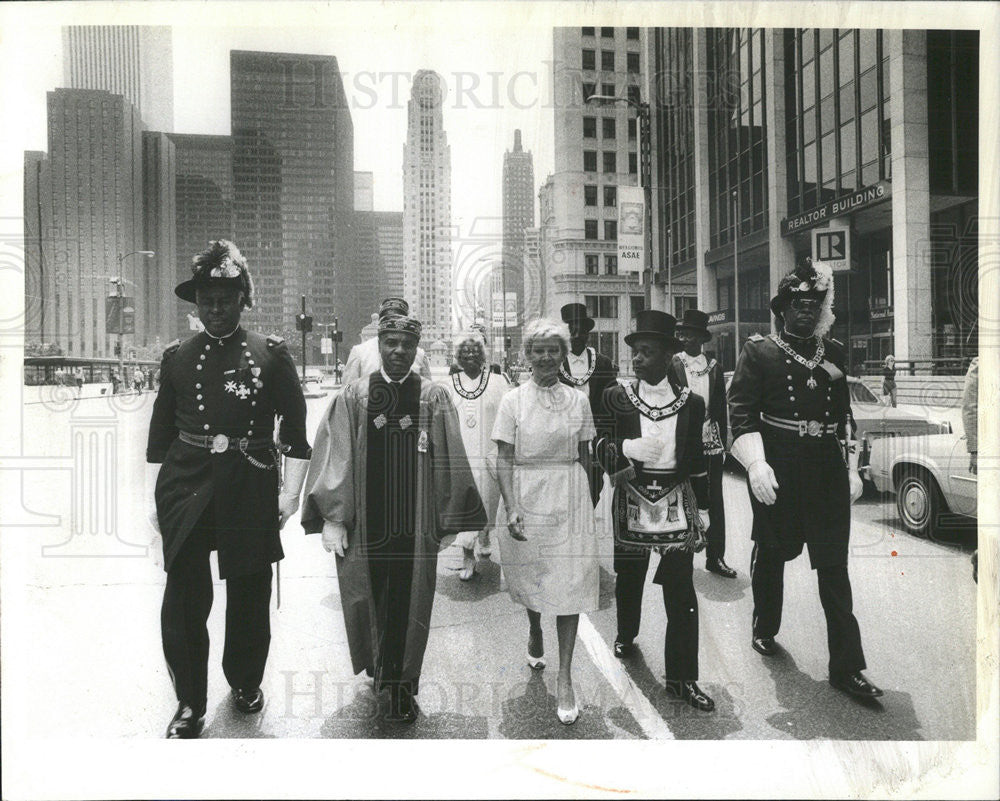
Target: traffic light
506,342
303,322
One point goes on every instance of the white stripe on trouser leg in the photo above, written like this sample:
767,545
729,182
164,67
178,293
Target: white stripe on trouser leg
636,703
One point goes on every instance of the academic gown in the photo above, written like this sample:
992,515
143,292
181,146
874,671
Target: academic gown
444,501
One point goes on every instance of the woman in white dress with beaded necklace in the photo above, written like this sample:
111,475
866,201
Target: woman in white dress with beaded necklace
476,393
549,550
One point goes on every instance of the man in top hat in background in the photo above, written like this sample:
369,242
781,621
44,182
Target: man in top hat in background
364,358
654,457
790,409
215,469
692,368
388,480
591,373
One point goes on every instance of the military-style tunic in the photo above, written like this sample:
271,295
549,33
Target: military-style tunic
234,386
813,503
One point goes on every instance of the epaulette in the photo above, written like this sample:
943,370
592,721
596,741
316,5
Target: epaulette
274,339
171,348
756,337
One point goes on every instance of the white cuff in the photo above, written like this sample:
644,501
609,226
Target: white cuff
748,448
294,476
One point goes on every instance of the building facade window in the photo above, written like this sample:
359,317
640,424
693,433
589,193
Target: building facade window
632,34
632,63
610,161
589,127
587,31
590,161
633,164
589,89
610,264
589,195
608,60
631,129
602,307
589,59
608,127
611,230
611,196
607,343
737,131
590,229
838,113
590,263
608,33
608,89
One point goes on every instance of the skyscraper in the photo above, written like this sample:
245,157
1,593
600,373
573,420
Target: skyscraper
88,195
129,60
596,151
159,210
427,254
293,181
204,189
518,214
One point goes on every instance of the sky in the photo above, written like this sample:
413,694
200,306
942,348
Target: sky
496,73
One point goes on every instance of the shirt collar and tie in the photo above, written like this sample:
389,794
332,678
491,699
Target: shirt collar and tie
662,392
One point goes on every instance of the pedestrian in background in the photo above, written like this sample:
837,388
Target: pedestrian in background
549,551
655,460
476,392
970,422
138,379
692,368
789,405
889,379
212,430
116,379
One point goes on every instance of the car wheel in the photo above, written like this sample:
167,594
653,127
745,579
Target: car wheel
918,501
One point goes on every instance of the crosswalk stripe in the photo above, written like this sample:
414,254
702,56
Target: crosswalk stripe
637,703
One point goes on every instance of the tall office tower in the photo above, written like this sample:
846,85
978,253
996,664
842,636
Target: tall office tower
744,176
364,191
38,327
129,60
389,232
88,194
293,183
596,151
204,191
518,214
427,254
159,208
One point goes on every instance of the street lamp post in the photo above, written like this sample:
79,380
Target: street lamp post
119,282
642,113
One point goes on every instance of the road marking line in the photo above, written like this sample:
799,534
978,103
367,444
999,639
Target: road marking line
644,712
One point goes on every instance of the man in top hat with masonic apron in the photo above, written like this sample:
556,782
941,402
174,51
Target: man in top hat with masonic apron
790,409
691,368
216,473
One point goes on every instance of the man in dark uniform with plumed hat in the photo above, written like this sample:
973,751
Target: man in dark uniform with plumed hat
790,409
212,430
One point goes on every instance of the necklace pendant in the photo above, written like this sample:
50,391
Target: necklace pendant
811,383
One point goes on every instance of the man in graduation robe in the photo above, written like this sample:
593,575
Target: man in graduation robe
388,480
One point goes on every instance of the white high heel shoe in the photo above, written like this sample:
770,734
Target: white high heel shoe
536,662
567,716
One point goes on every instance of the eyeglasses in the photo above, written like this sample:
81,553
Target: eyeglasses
804,304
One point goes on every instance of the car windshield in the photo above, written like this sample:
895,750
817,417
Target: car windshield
860,393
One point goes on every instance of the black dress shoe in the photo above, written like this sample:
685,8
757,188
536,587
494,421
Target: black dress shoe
855,684
186,723
691,694
719,567
623,649
765,646
249,702
403,706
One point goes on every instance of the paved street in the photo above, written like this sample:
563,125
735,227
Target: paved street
82,589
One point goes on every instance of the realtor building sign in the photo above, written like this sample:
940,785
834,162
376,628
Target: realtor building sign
842,206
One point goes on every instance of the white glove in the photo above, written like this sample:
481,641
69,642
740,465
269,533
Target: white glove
335,538
291,488
642,449
152,473
762,482
856,486
705,520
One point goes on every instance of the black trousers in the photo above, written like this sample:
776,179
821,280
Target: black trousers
716,534
680,647
187,601
390,567
767,576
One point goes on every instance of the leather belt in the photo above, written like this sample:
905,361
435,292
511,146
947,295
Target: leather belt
804,428
220,443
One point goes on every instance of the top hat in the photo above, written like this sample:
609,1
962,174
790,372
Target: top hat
577,312
695,321
221,265
654,323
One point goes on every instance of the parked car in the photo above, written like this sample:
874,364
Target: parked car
929,476
875,420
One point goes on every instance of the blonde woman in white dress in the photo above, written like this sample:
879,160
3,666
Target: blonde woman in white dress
476,392
549,549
